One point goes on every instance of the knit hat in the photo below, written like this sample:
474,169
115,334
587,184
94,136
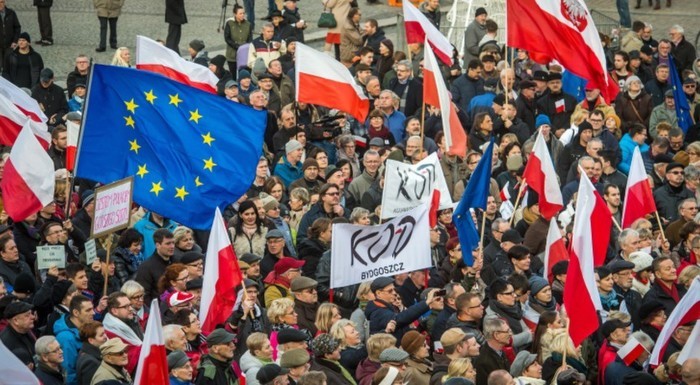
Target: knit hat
294,358
60,290
541,120
292,145
243,74
25,284
87,197
269,202
309,162
641,260
25,36
480,11
584,126
197,45
218,60
522,361
629,80
393,355
324,344
412,342
537,284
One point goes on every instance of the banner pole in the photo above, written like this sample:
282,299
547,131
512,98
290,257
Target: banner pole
483,228
661,226
108,248
616,224
517,201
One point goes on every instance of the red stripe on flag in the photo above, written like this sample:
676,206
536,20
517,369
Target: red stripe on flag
639,201
415,35
633,354
317,90
19,199
582,313
175,75
230,277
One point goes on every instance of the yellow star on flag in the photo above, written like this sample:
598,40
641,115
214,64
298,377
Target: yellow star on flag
181,192
208,138
209,164
150,96
130,121
195,116
142,171
131,106
134,146
197,182
156,188
175,99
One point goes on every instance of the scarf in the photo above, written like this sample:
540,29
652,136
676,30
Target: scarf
671,291
610,301
118,327
343,371
528,216
540,307
512,314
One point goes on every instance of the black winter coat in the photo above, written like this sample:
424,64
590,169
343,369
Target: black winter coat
175,12
36,64
333,374
53,99
414,96
9,29
311,250
149,273
345,297
379,313
667,199
48,376
547,105
487,361
88,361
73,78
656,293
123,267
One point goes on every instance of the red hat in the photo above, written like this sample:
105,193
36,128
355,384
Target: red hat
286,263
180,297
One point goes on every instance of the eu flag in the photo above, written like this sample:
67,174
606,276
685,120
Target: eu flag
475,196
189,151
681,101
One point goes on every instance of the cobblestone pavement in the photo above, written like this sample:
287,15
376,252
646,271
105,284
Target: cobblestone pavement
76,27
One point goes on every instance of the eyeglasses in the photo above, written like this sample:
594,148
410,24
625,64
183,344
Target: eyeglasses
185,278
137,297
58,349
676,172
512,293
332,193
128,305
476,306
509,332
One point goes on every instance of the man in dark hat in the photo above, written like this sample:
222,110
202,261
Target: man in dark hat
272,374
215,367
622,274
197,52
669,195
476,30
18,336
615,333
557,104
305,302
296,360
51,97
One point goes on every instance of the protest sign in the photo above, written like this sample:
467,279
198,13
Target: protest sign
48,256
112,207
408,186
90,251
363,253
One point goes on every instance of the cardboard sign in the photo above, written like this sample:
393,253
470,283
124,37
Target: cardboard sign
90,252
48,256
112,207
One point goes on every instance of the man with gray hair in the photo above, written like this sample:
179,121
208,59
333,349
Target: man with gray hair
687,209
682,51
408,88
361,184
616,371
50,356
387,103
174,338
629,243
491,356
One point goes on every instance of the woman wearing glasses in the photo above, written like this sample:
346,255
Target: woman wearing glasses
504,305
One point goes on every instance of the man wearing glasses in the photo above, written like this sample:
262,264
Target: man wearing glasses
17,336
491,356
305,302
116,357
672,192
328,206
50,357
120,323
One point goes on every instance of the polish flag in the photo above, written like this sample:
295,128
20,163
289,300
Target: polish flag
639,200
152,368
13,370
541,177
221,277
555,251
560,105
581,297
155,57
13,118
324,81
435,93
25,103
687,310
692,346
630,351
28,179
530,317
507,207
419,29
73,134
572,38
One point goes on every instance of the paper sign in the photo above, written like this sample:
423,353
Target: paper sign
48,256
112,207
90,251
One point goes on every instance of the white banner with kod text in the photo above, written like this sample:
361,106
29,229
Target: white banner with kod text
363,253
407,186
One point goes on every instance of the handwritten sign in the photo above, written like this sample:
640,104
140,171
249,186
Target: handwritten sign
48,256
90,252
112,207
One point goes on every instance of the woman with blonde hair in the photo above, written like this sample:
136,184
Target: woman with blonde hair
376,344
693,151
282,315
184,242
122,57
562,342
352,351
327,314
460,367
364,295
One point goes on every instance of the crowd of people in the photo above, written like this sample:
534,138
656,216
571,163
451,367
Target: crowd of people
500,321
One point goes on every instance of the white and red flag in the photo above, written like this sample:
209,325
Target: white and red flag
687,310
435,93
639,200
324,81
25,103
571,38
581,297
630,351
555,250
419,29
155,57
692,346
12,119
28,178
152,368
541,177
222,276
73,129
530,317
13,370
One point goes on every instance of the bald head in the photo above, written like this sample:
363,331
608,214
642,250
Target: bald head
691,371
500,377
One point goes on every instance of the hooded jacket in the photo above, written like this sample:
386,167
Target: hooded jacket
69,338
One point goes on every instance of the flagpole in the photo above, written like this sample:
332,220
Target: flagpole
616,224
661,227
483,228
80,139
566,346
517,201
422,129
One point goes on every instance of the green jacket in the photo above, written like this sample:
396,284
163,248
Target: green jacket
236,34
214,372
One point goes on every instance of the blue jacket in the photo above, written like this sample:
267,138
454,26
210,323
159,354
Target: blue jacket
288,172
379,313
147,227
627,146
69,339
